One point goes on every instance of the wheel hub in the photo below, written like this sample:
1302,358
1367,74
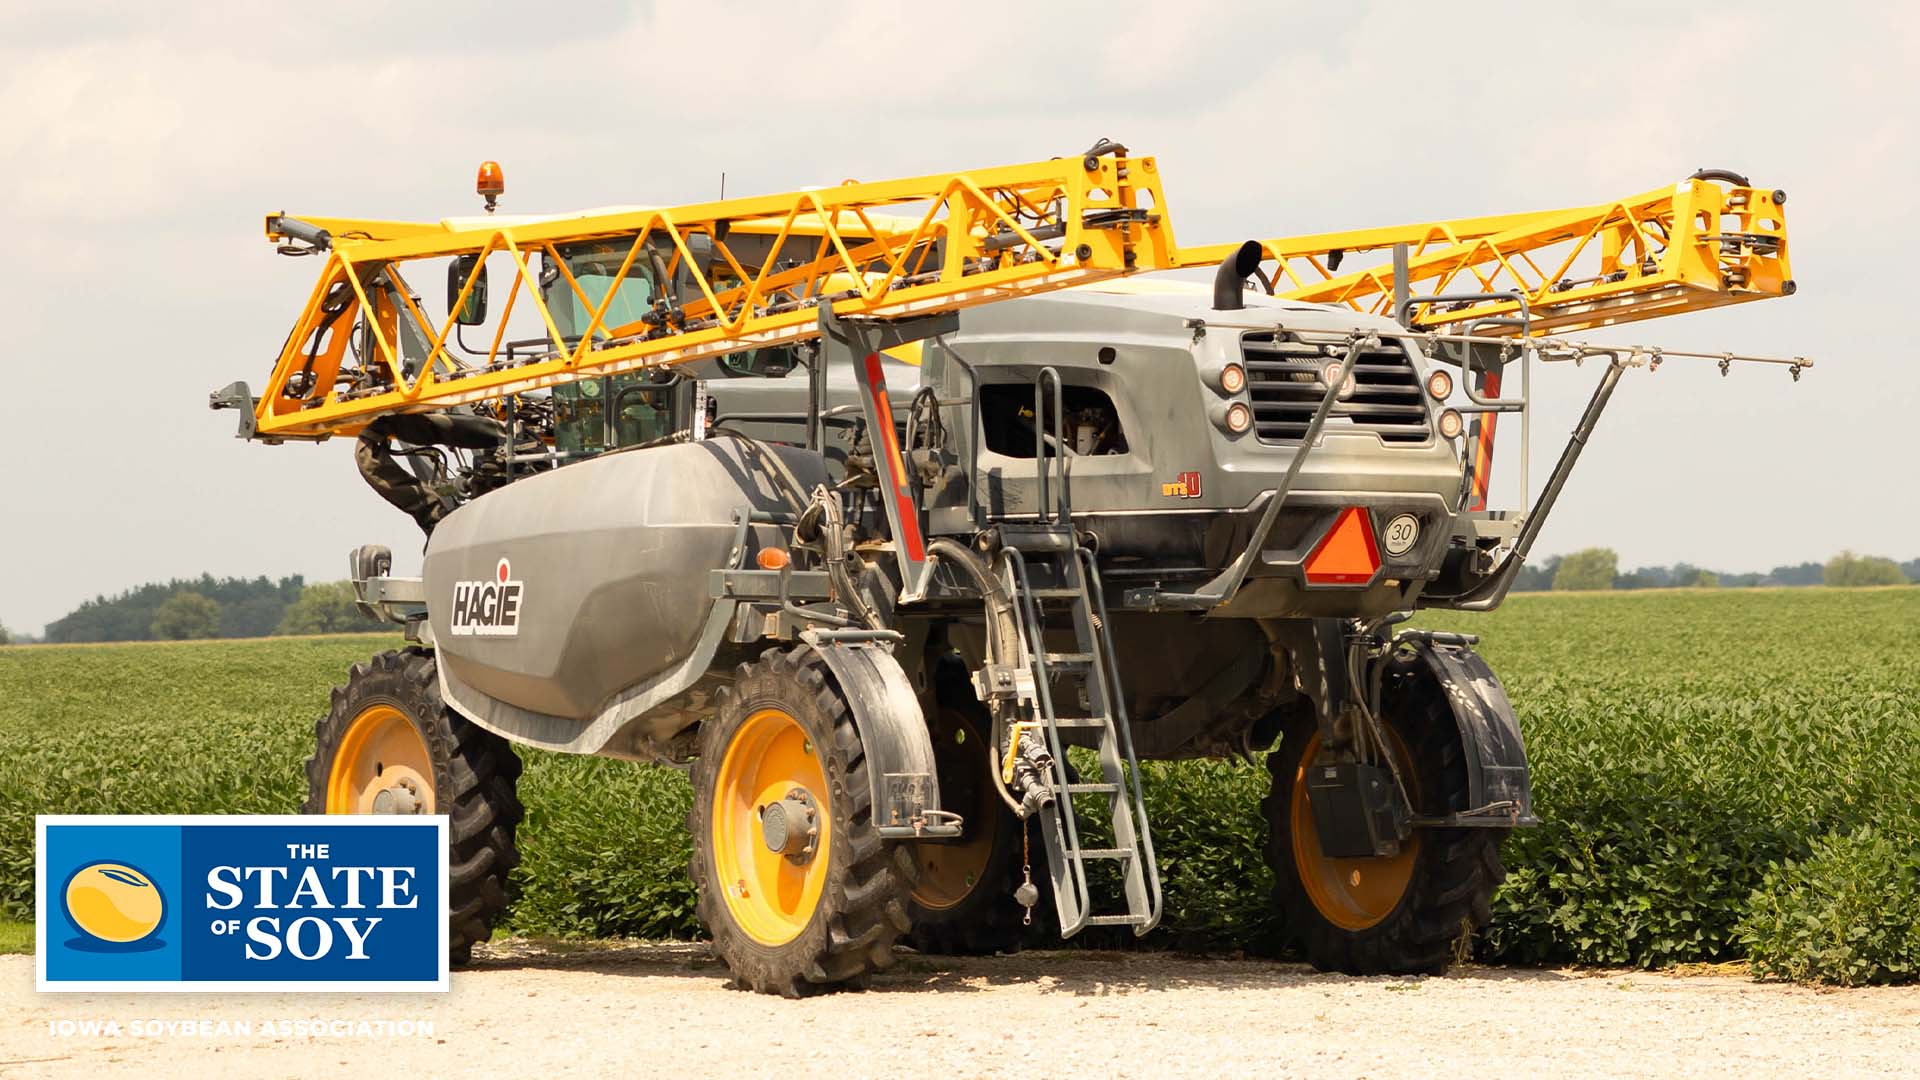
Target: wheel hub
791,826
771,831
400,797
381,766
1352,893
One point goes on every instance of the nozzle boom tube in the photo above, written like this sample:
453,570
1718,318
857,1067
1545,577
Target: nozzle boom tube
1489,594
295,229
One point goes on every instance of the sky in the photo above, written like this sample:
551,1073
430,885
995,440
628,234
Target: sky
140,145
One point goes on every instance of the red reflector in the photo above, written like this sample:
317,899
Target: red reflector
1347,555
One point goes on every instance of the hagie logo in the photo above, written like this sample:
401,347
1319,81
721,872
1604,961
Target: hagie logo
488,607
1185,486
241,903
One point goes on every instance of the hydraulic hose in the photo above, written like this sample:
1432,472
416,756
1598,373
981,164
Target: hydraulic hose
1003,635
833,537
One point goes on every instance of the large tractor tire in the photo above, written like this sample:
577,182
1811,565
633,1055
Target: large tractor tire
1400,914
389,745
796,886
963,902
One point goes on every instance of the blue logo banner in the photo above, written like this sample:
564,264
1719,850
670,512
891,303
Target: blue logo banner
266,903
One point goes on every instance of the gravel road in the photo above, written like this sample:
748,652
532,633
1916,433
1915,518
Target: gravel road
665,1009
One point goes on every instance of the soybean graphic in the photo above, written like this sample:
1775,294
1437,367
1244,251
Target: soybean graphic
114,902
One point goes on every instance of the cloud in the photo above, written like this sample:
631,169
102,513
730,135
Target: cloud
142,143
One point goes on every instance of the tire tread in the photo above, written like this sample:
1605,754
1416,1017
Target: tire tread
475,773
852,934
1455,874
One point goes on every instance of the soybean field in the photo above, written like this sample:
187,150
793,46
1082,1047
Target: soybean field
1723,776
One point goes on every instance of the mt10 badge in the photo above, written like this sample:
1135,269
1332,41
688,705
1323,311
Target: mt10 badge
1184,486
488,608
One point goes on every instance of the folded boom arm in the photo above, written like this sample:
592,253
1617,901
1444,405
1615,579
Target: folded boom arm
889,249
744,274
1710,240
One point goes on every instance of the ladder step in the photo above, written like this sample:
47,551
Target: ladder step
1086,663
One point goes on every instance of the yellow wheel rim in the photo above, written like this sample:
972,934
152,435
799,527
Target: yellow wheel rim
1352,894
381,767
771,895
949,870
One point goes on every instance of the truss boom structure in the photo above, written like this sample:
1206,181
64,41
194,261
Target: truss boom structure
1707,241
886,250
743,274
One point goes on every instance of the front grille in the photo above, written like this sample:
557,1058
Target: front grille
1282,372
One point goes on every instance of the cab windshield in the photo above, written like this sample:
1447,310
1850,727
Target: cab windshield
596,415
594,266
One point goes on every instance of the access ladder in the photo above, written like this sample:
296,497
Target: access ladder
1051,575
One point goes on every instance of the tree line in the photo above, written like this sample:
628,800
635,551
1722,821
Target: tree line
210,607
1599,568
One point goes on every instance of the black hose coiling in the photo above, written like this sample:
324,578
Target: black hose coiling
831,528
1003,644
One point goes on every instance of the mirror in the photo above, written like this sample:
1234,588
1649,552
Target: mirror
474,311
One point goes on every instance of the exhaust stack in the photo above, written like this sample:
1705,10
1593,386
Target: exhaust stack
1230,279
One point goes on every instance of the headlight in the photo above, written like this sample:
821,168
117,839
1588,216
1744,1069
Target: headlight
1451,425
1233,379
1238,418
1439,385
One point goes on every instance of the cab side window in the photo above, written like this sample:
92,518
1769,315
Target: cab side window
1091,422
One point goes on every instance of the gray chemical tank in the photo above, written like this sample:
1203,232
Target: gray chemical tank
552,596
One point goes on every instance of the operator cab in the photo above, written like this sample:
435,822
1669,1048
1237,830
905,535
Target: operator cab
592,416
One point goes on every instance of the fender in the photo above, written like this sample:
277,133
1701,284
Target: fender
1496,756
893,732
